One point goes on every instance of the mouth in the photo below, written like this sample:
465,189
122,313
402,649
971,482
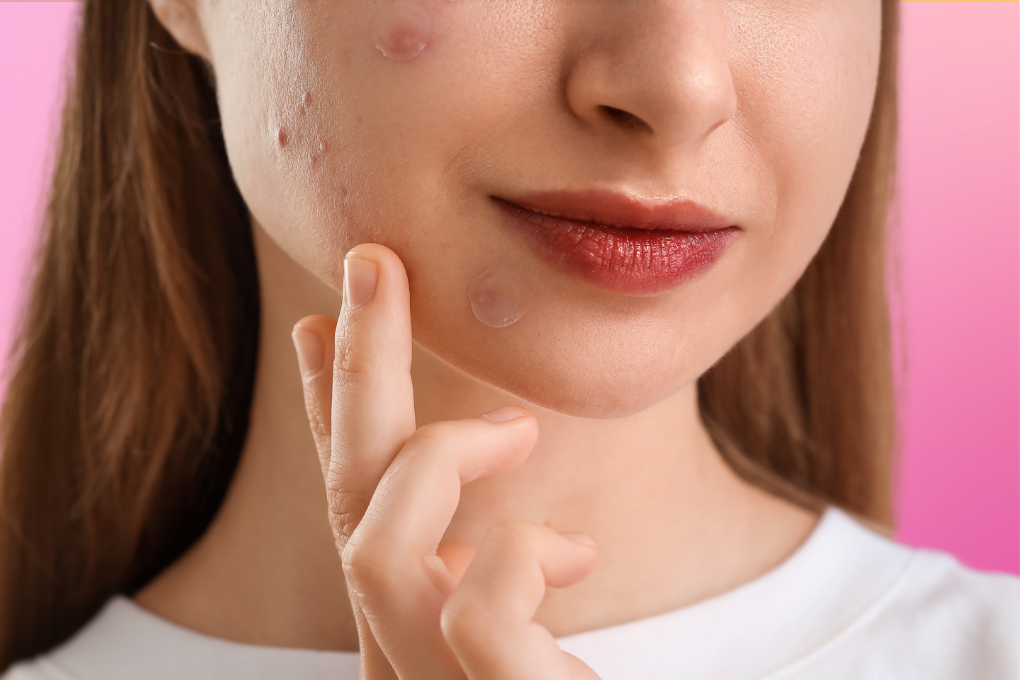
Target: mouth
618,243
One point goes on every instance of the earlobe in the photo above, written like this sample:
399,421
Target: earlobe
181,20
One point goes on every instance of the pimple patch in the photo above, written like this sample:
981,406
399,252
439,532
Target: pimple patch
496,299
401,30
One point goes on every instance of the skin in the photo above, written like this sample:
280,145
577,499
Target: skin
755,108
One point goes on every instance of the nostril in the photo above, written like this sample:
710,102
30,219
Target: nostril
624,119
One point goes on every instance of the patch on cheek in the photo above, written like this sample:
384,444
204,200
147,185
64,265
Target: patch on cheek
402,29
497,298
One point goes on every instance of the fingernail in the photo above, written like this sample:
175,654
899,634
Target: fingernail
583,539
360,277
309,350
503,414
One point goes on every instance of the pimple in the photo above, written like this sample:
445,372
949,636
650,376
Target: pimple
306,102
401,30
282,137
320,150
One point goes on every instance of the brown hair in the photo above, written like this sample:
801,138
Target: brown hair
804,406
127,411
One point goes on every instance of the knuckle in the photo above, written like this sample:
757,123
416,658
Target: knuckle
357,563
352,365
319,425
346,364
343,523
366,570
318,412
345,510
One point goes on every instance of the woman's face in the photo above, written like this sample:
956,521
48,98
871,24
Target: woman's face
549,157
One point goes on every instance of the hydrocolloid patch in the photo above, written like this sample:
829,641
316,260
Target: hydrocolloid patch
497,299
401,30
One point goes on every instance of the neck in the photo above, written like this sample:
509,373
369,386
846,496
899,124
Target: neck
651,489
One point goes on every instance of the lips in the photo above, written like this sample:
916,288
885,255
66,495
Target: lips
618,243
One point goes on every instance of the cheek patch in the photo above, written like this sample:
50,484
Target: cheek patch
497,299
401,30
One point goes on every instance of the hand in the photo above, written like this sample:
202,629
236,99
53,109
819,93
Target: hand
392,490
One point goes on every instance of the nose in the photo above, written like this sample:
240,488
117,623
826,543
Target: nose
653,69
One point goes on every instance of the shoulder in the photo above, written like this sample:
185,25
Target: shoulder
970,618
37,669
126,642
938,619
93,640
939,583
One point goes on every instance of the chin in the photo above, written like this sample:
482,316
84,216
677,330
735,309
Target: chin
581,385
609,400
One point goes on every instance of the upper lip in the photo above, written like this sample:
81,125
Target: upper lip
622,211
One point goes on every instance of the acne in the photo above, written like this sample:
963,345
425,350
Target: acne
320,150
299,130
402,29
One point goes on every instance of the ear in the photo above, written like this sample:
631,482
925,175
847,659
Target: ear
181,19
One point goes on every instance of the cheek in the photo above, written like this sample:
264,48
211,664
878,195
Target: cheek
302,106
278,140
807,89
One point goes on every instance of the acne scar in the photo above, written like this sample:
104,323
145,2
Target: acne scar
282,137
401,30
496,299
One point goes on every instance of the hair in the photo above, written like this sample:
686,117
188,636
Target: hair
804,405
127,410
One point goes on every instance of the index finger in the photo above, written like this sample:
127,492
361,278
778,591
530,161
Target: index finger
373,399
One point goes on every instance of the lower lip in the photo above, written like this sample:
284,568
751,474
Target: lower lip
620,260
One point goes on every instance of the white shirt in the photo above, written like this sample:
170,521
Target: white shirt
848,604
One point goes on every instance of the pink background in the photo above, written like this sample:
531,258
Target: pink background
958,242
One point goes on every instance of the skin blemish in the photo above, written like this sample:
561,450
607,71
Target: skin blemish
496,299
321,149
401,30
306,103
282,138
